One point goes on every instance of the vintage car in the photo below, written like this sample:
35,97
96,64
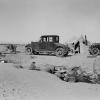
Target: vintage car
48,44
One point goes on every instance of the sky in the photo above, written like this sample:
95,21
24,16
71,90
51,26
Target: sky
26,20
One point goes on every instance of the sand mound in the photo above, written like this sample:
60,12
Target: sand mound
22,84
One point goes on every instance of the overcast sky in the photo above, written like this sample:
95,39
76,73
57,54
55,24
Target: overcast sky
27,20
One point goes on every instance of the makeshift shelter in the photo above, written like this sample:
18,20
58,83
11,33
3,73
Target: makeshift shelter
79,45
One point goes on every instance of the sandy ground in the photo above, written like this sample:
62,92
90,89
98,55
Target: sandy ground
23,84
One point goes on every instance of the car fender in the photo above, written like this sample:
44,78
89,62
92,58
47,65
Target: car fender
62,46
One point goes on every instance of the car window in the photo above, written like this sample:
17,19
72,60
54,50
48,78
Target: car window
44,39
57,39
50,39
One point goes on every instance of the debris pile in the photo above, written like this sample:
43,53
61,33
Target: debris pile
75,74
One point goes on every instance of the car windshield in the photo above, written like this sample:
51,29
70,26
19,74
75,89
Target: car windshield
40,40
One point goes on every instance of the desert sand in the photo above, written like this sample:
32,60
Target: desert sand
23,84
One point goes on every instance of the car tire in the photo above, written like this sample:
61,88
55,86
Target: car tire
28,50
95,51
59,52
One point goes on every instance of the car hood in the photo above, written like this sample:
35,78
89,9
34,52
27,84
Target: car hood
59,44
27,45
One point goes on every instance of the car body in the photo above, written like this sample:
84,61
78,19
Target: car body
48,44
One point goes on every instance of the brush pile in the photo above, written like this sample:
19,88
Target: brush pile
75,74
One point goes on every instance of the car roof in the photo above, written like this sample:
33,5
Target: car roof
50,36
96,43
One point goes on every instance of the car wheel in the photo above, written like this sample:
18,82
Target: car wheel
95,51
28,50
59,52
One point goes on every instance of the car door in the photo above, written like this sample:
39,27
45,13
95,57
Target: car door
43,44
50,44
